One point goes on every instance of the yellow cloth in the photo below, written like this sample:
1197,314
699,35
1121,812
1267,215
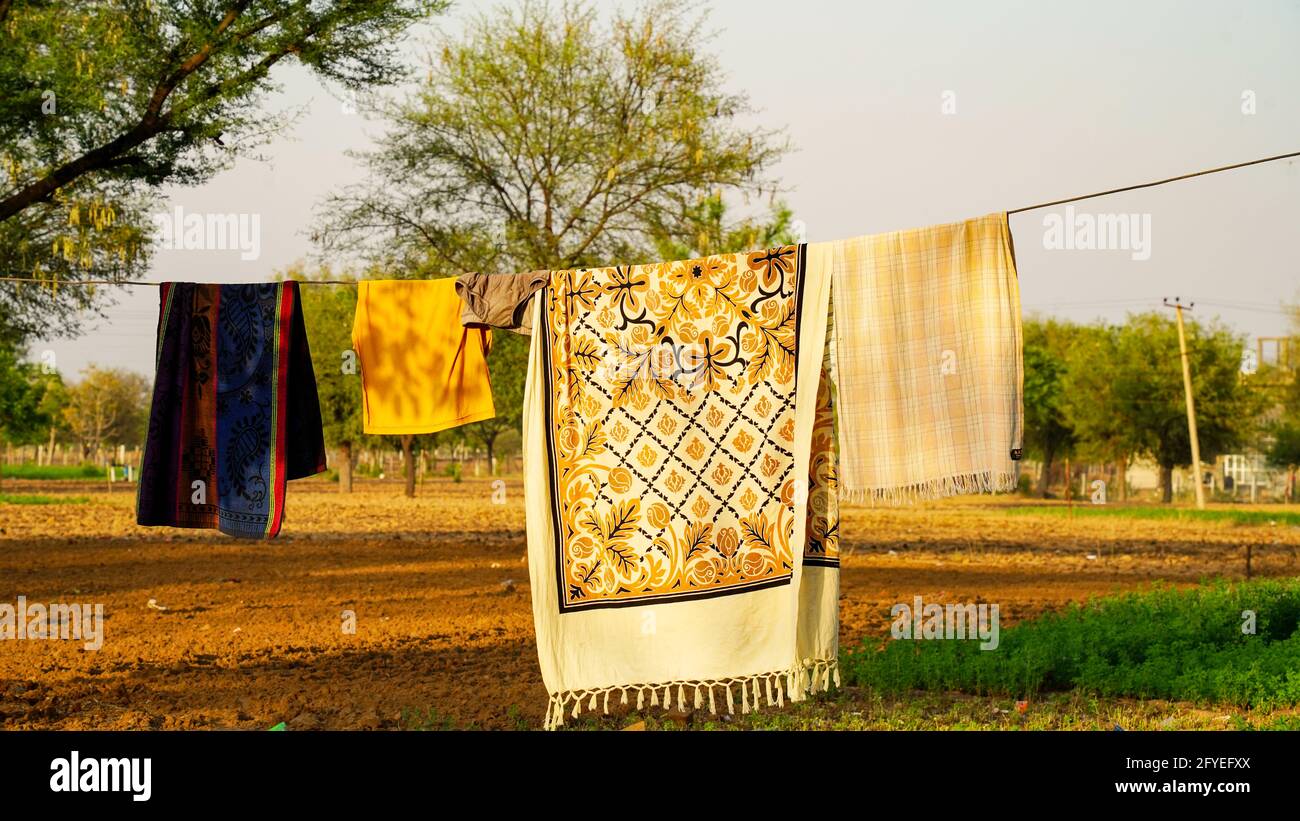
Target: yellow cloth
421,370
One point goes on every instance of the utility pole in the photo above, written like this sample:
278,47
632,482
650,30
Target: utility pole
1191,403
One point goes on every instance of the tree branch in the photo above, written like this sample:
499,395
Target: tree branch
151,123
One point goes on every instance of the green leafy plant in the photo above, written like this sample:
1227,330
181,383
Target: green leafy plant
1167,643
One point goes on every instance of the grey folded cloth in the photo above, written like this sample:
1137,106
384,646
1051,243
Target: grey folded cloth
499,300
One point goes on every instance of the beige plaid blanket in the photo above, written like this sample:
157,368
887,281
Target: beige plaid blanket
926,352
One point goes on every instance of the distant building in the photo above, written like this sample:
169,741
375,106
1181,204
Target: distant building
1248,474
1278,351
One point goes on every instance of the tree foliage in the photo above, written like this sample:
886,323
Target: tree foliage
31,400
329,311
1048,433
705,230
109,406
1148,395
1284,449
106,101
544,139
1114,392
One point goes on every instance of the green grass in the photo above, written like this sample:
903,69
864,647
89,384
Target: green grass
30,471
33,499
861,708
1236,517
430,719
1290,723
1184,645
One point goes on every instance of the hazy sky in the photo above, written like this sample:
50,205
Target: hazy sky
908,114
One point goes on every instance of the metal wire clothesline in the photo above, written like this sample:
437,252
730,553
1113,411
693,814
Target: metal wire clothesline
1078,198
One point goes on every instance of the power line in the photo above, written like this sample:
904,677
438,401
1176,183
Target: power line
1241,307
1091,303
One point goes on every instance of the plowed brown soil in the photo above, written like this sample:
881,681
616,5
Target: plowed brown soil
249,634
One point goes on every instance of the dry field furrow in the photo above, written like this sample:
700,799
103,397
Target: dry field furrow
247,634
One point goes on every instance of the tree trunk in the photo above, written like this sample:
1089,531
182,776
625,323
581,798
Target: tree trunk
1045,481
408,462
1166,483
345,467
491,457
1122,467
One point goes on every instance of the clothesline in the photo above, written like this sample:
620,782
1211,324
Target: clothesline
1152,184
62,282
1078,198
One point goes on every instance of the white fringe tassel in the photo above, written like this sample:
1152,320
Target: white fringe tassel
986,481
808,677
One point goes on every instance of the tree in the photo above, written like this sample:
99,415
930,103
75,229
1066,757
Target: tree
105,102
1092,360
705,230
1284,449
508,370
330,309
31,401
14,401
541,140
41,310
1048,432
1136,402
54,398
108,406
409,444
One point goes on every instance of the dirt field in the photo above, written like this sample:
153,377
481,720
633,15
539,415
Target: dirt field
252,633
